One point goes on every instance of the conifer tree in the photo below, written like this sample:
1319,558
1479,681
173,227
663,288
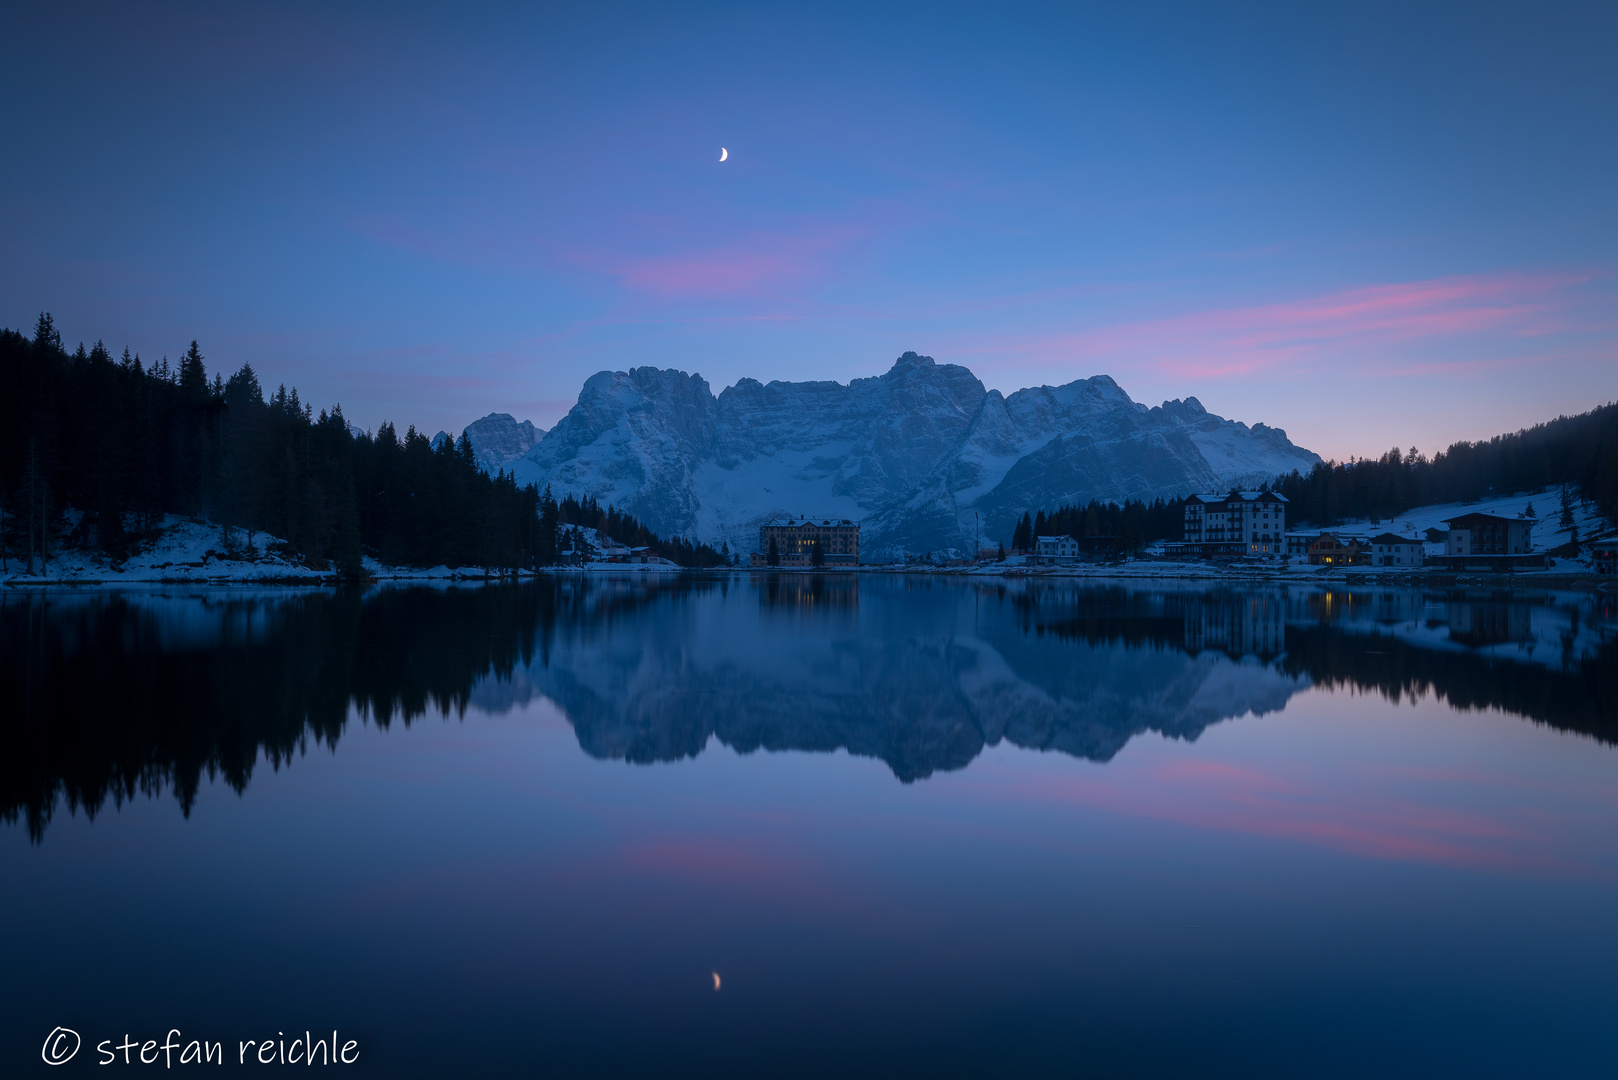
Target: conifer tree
46,338
193,376
546,547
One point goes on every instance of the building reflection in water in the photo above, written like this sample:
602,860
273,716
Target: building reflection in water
1238,626
808,592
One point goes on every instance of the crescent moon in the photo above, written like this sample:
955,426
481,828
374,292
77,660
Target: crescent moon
716,980
723,154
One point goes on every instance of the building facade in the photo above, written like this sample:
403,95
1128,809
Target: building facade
1391,549
1604,559
1257,520
838,538
1297,543
1056,549
1489,542
1329,550
1488,534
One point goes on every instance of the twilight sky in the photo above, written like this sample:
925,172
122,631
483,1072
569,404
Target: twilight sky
1368,224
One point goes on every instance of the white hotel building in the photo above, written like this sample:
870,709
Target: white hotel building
1254,520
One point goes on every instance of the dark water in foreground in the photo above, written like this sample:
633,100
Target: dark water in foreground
917,827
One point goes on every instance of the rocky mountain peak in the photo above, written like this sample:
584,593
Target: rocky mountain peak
498,439
923,454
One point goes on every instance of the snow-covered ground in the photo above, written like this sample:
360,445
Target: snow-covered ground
1547,534
197,552
185,551
1547,506
192,551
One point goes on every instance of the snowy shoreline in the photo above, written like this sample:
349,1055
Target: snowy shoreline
1555,577
188,552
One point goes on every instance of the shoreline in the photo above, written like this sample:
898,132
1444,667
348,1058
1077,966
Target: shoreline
1178,572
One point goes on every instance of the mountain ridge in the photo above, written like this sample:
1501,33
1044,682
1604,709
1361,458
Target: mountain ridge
923,454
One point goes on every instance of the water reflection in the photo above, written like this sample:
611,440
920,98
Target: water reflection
111,695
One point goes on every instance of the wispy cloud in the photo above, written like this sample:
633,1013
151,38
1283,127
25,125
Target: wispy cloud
759,264
1367,319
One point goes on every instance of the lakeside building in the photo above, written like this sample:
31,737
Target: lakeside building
1488,534
1055,550
1216,550
1391,549
795,540
1297,543
792,559
1257,520
1067,550
1604,558
610,550
1489,542
1099,548
1329,550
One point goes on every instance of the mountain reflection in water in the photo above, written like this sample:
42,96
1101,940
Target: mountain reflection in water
110,695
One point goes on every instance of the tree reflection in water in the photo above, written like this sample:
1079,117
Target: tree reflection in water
110,695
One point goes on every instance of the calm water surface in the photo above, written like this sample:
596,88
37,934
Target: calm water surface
916,827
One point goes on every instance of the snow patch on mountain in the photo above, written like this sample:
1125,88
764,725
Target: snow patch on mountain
1240,456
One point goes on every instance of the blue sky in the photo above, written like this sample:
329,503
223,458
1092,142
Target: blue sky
1370,224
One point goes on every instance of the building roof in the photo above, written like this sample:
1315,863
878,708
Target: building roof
1395,538
1341,539
1477,518
1050,539
1245,496
790,523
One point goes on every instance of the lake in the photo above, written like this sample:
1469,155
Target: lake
814,825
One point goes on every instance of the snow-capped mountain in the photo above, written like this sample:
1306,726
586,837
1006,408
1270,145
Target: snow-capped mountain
498,440
923,455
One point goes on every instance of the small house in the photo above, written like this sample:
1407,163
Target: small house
1391,549
1329,550
1055,550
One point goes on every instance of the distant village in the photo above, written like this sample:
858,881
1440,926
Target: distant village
1252,525
1238,527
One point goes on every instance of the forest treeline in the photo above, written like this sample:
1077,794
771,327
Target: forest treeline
123,444
1580,452
1134,524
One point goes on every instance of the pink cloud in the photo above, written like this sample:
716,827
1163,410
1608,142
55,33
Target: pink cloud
1368,319
759,263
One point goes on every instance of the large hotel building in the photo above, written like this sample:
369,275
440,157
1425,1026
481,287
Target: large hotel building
1241,523
795,540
